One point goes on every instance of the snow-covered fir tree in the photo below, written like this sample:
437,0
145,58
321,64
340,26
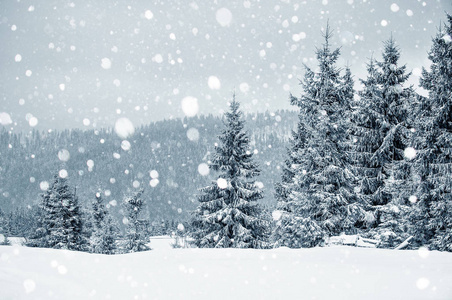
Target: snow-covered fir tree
297,141
105,231
319,199
136,228
386,134
287,232
229,214
366,137
380,133
431,214
60,224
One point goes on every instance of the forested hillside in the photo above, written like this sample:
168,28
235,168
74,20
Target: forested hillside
165,158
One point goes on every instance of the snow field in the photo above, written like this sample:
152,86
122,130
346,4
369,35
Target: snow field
166,273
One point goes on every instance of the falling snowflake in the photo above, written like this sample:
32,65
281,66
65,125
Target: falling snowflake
33,121
29,285
105,63
422,283
154,174
224,16
394,7
203,169
190,106
214,83
148,14
244,87
276,215
44,185
90,163
63,173
63,155
124,128
5,118
154,182
409,153
125,145
193,134
222,183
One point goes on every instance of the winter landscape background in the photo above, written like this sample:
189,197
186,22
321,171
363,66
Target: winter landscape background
277,125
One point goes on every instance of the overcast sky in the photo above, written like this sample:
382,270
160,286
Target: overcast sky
85,64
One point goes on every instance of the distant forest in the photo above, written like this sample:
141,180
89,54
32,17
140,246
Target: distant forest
99,160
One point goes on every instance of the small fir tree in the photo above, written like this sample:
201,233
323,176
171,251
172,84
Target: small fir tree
136,228
44,216
103,238
60,224
4,228
228,214
431,214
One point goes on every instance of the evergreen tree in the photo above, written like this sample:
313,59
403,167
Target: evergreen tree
320,201
103,238
136,228
431,214
43,216
60,224
288,230
4,228
21,222
366,137
380,134
395,105
297,142
39,234
228,214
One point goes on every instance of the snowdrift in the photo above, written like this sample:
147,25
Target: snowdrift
164,273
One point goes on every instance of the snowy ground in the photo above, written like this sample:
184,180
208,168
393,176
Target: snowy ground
166,273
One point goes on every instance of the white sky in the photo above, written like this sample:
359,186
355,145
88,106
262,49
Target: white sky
85,64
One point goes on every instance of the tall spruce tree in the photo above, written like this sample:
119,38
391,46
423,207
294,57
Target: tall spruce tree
381,132
291,229
396,105
366,138
136,228
103,238
228,215
431,214
297,141
319,199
